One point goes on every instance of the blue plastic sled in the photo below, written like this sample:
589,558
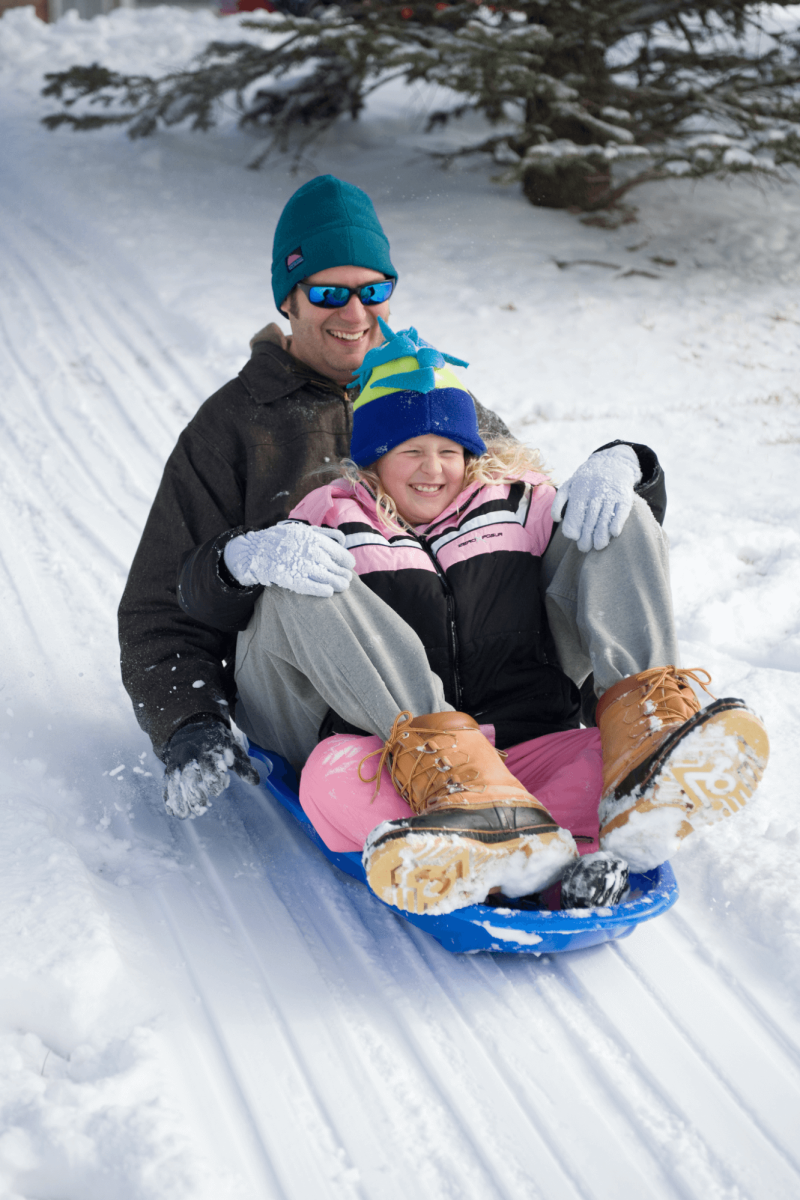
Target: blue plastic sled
479,927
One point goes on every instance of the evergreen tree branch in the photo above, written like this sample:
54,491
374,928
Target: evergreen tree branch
575,87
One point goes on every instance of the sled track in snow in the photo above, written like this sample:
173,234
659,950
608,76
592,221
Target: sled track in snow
78,368
92,401
364,1060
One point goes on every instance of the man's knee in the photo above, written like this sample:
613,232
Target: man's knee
640,527
641,517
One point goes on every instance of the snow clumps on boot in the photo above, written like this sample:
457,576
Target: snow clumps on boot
475,828
670,767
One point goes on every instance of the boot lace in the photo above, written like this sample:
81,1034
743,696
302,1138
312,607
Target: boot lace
440,765
670,679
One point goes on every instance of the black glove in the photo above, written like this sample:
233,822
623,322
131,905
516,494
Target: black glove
594,881
198,760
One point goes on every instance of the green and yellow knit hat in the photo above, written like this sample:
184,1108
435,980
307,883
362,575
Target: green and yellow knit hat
407,389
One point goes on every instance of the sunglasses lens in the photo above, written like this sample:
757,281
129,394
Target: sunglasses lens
327,296
377,293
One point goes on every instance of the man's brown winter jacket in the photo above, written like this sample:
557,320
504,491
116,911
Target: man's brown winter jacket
250,454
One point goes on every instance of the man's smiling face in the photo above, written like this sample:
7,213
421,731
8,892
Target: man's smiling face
334,340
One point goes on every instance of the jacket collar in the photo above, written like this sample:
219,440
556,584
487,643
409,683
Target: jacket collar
530,479
272,374
454,508
369,504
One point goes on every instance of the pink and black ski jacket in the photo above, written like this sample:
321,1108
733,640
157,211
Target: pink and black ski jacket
469,584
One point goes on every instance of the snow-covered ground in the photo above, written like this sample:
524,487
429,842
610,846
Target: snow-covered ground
208,1010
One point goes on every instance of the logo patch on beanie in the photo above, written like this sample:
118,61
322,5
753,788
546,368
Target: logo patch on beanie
294,259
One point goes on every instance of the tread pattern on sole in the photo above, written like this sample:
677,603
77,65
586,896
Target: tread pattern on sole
708,778
428,874
647,772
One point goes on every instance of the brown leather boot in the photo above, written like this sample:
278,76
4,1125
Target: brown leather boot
476,829
670,767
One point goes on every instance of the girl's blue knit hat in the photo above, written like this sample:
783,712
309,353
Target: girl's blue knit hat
326,223
408,390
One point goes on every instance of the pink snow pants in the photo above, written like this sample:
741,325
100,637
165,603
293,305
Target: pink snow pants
564,771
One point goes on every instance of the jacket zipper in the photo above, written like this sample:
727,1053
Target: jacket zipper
451,620
451,605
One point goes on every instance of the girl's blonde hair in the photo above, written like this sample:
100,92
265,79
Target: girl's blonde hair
505,461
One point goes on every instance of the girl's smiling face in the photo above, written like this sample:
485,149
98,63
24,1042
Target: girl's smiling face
422,476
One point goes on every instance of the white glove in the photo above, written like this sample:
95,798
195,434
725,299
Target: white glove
600,496
302,558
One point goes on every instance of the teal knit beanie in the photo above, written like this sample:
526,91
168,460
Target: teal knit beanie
326,223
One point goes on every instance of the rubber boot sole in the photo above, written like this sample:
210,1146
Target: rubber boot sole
704,773
438,872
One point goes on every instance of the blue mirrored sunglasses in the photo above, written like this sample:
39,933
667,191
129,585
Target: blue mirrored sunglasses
330,295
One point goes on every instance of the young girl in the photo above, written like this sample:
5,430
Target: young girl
450,534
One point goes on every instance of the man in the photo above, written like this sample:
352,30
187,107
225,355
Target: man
251,453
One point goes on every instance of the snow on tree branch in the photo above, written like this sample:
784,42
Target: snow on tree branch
574,87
